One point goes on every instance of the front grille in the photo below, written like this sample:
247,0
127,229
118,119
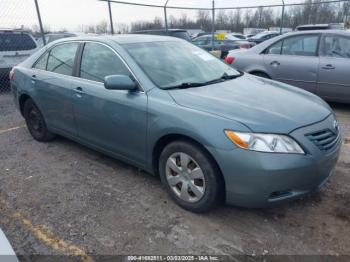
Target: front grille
325,140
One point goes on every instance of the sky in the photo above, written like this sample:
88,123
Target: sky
72,14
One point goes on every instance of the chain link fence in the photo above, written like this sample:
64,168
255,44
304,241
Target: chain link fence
16,39
20,30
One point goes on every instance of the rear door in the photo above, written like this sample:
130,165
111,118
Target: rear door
334,80
52,83
113,120
294,60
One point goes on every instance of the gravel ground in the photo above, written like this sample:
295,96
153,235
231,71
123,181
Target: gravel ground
62,198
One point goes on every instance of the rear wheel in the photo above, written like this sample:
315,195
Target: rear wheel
190,176
35,122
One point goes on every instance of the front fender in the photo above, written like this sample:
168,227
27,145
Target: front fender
168,118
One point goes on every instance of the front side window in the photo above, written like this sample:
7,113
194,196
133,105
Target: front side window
336,46
300,45
61,58
172,63
99,61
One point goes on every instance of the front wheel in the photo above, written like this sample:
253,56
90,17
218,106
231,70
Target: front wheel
190,176
35,122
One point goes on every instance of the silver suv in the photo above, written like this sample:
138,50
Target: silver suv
15,47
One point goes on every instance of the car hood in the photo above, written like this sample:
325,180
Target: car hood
262,105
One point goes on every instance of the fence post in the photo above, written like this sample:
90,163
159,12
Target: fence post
110,17
40,23
213,26
282,18
166,17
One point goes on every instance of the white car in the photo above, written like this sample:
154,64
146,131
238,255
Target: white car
6,252
15,47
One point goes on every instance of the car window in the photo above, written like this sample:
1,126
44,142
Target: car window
275,49
16,42
99,61
42,62
300,45
201,41
61,58
336,46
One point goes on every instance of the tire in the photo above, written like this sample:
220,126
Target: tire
35,122
261,74
204,187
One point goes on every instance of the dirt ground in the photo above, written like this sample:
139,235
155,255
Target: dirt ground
62,198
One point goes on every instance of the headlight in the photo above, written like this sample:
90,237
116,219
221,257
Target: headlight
265,142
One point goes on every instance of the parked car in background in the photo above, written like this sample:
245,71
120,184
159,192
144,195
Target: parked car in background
168,107
15,47
205,42
235,36
261,37
336,26
317,61
53,36
249,36
179,33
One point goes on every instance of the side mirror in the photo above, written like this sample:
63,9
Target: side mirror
119,82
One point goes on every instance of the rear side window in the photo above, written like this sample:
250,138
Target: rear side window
99,61
300,45
16,42
61,58
275,49
41,63
336,46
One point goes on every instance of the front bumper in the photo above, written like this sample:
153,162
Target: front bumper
256,179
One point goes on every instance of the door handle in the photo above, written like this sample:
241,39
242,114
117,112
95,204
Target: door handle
79,90
328,67
275,63
33,79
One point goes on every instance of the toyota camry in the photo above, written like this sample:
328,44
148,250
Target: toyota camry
211,133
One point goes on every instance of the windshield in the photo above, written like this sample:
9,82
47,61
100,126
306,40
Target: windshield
181,34
173,63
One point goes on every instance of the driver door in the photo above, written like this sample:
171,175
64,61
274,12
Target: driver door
112,120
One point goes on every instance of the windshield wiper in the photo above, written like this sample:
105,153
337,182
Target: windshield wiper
223,78
184,85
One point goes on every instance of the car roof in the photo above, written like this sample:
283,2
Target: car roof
320,31
260,47
162,30
122,39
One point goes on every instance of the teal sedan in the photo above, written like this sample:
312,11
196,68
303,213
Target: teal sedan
211,133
